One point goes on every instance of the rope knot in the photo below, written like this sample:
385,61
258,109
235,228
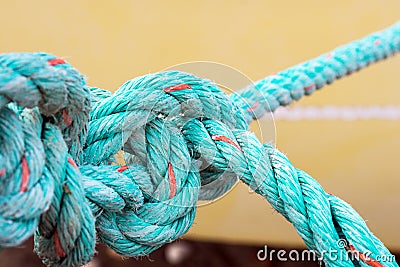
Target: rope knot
45,103
182,139
168,126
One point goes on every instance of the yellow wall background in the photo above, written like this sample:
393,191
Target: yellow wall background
113,42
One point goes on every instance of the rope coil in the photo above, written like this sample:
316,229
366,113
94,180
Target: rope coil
178,132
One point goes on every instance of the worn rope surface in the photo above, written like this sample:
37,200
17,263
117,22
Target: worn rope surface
40,135
177,132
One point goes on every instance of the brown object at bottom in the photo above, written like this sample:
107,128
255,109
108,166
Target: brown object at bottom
185,252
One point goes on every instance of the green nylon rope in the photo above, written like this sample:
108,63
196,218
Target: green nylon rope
178,132
284,87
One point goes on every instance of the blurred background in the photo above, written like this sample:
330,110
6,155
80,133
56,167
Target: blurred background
113,41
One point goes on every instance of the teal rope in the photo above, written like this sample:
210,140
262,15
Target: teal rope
38,151
177,131
286,86
152,142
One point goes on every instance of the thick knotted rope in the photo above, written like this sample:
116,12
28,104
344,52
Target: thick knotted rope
177,132
41,131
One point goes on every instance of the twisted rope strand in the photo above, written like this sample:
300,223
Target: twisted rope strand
321,219
177,133
284,87
40,188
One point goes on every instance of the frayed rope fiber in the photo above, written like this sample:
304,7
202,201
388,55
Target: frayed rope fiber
59,141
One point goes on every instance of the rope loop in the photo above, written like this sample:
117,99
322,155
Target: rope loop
181,139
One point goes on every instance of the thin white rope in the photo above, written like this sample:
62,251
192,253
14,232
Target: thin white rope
346,113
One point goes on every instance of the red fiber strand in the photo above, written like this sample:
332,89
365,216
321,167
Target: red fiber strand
253,107
172,181
177,88
71,161
25,175
226,140
67,119
122,168
309,87
57,246
56,61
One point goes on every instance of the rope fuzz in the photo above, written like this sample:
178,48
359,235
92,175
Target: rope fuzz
59,140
